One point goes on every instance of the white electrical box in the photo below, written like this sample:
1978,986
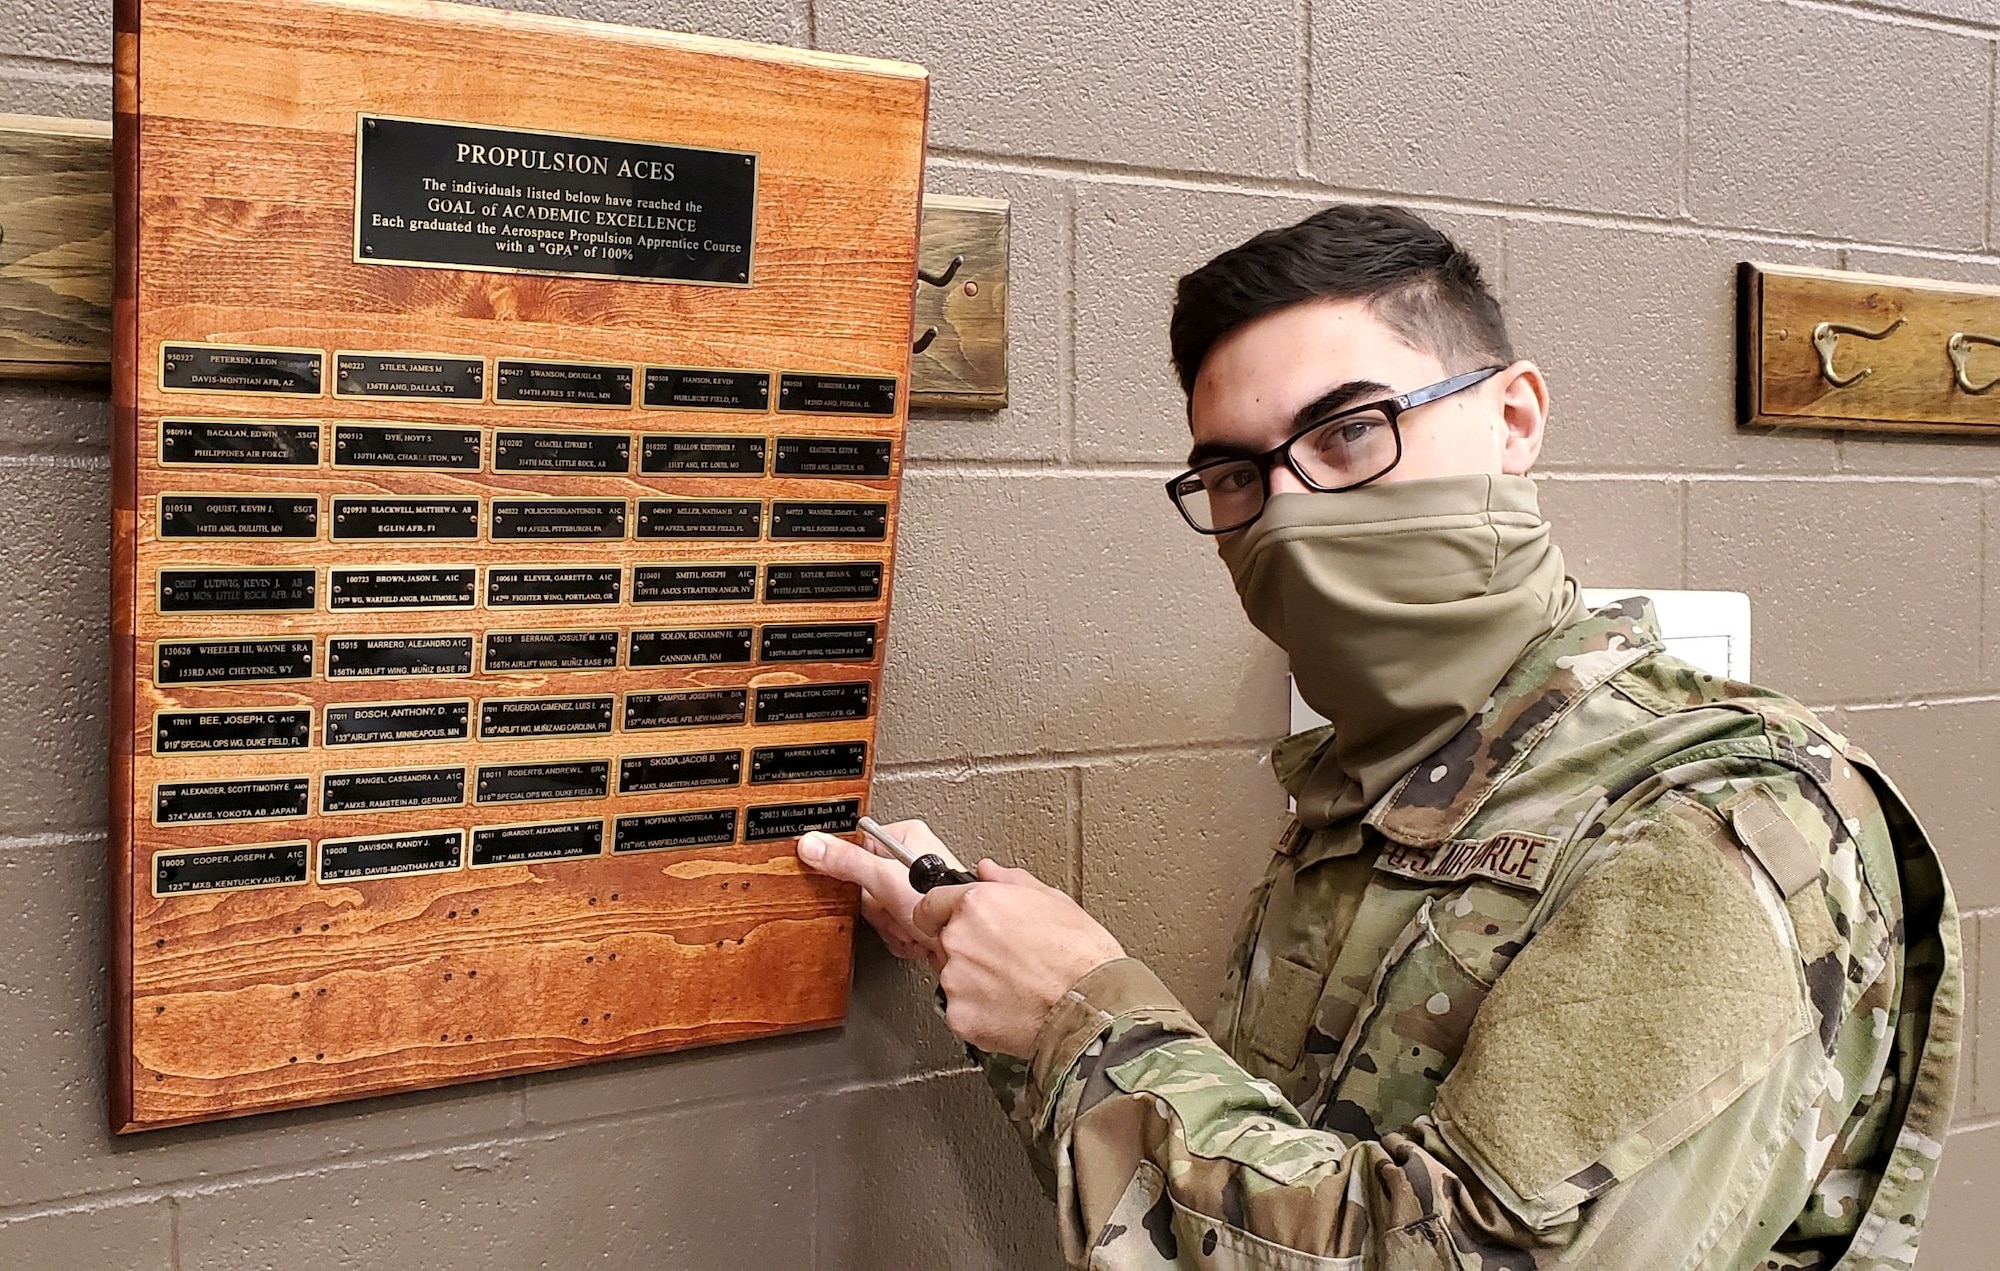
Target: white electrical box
1710,629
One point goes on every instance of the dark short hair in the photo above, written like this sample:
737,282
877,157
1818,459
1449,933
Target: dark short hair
1424,287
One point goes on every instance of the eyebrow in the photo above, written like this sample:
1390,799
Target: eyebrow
1333,399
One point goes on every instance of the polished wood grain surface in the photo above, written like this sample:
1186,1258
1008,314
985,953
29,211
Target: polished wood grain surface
55,248
1903,380
241,176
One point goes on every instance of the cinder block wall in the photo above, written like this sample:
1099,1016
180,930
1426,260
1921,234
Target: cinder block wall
1071,686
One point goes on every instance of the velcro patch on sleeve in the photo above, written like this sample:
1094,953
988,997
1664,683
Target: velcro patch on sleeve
1779,847
1660,990
1515,859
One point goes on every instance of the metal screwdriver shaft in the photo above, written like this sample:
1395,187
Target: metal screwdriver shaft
927,869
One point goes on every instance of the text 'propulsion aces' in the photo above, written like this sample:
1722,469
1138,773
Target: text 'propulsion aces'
509,429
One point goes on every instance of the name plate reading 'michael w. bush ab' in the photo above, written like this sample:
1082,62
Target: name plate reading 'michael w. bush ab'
509,428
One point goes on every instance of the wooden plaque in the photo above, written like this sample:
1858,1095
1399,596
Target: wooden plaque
509,421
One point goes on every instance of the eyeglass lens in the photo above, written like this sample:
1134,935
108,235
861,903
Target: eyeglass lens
1342,452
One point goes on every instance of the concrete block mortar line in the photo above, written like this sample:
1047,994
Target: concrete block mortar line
969,766
1892,14
1098,172
174,1232
1896,704
1687,535
89,462
51,838
1686,208
796,1095
1992,113
1066,349
1302,31
1073,806
32,63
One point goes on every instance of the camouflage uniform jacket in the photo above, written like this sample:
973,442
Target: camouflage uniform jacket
1643,968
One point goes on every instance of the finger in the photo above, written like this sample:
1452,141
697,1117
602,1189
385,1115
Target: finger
888,924
990,871
938,907
839,858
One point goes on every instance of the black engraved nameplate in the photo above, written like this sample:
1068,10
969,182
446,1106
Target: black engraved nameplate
558,519
658,831
825,761
452,587
401,376
526,844
707,646
551,650
702,708
367,657
238,516
692,388
700,518
561,384
219,868
397,723
817,642
789,820
391,856
825,582
232,443
406,518
201,368
504,718
258,799
507,588
236,591
703,456
392,790
642,774
832,519
450,195
561,452
231,661
533,782
204,732
692,584
405,446
808,394
832,457
802,703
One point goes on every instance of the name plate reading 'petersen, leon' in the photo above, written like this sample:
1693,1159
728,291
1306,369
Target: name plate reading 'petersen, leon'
510,416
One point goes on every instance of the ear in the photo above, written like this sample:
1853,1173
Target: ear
1524,411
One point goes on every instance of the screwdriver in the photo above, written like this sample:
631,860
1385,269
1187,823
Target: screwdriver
927,870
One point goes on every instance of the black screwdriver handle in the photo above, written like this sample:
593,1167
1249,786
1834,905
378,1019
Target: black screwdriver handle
930,871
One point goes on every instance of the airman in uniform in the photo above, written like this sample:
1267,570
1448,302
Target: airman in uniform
1573,955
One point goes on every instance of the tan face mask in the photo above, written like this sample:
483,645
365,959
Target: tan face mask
1402,606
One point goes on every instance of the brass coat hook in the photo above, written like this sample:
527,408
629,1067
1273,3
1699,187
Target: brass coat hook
1826,336
1957,348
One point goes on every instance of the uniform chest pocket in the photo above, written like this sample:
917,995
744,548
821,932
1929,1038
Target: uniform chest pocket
1410,1034
1291,997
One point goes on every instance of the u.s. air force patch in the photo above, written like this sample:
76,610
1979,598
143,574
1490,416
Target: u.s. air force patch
1519,860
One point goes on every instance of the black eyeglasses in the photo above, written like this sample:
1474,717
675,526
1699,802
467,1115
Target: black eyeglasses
1339,452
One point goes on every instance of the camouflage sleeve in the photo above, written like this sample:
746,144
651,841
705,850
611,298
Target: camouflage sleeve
1644,1086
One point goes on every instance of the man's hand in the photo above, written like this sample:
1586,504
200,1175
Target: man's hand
886,895
1005,948
1012,946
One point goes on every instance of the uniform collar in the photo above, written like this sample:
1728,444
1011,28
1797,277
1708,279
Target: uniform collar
1437,798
